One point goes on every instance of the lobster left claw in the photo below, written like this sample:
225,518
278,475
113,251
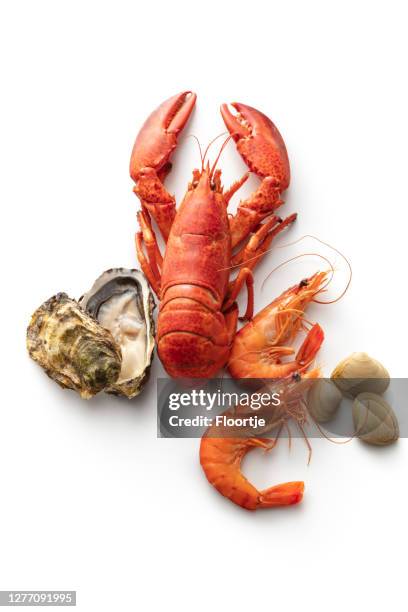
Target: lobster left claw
157,138
259,142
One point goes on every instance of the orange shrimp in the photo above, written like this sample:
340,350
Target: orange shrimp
256,353
221,461
259,346
221,457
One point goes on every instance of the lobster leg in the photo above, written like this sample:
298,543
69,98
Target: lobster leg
150,264
152,248
255,209
145,265
231,320
244,276
150,161
156,200
248,257
251,254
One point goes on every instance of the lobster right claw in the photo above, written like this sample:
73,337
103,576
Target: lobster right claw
157,138
259,142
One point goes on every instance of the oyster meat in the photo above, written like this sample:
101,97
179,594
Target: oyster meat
72,347
122,302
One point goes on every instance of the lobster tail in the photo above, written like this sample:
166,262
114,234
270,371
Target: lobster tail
192,339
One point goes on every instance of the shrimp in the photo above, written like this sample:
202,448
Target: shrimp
221,459
256,353
259,346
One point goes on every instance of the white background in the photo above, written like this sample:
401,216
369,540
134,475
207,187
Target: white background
90,499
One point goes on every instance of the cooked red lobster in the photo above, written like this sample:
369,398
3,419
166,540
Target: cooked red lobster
198,314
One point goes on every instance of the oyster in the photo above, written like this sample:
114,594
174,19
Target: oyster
72,347
122,302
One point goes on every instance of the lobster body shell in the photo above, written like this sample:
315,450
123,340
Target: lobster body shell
198,313
192,335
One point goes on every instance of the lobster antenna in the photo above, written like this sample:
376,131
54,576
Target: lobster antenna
199,147
224,144
209,145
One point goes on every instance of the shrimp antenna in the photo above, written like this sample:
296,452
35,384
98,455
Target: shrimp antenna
324,434
209,145
336,251
299,257
306,439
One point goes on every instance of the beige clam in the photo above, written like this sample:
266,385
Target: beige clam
360,373
323,400
374,420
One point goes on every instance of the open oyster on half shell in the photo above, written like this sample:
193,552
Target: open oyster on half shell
121,301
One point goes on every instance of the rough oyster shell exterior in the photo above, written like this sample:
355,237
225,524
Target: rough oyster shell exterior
72,348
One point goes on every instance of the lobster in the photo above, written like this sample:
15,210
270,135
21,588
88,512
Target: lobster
198,314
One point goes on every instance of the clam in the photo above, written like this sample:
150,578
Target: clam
121,301
72,347
374,420
323,400
360,373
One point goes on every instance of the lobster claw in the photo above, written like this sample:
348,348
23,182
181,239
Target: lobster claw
259,142
157,138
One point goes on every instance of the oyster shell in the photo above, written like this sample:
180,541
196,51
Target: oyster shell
72,347
120,299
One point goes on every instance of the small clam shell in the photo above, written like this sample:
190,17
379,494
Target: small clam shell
360,373
323,400
374,420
